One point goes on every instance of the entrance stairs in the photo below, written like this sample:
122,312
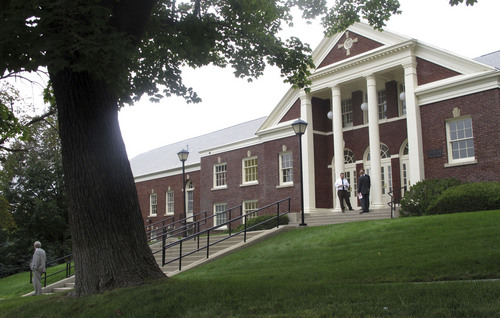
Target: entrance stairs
334,217
216,251
232,244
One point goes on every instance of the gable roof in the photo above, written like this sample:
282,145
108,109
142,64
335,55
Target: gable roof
164,159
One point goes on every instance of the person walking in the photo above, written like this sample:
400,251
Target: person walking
38,267
364,191
342,186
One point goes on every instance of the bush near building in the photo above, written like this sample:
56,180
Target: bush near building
422,195
469,197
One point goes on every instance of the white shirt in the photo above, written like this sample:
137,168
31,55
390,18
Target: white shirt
339,182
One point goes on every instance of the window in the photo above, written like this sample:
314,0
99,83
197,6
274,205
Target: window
250,170
346,113
384,153
382,104
220,175
249,207
170,202
189,200
460,140
220,212
286,169
349,156
152,204
402,103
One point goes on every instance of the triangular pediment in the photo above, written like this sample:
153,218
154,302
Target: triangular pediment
350,44
360,51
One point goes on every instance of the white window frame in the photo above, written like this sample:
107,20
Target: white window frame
189,200
286,169
220,177
402,103
245,169
219,208
346,106
153,204
452,138
169,199
250,206
382,104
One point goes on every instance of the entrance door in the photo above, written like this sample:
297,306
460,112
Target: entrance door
386,171
405,169
352,177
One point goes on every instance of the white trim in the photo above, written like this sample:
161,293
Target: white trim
457,86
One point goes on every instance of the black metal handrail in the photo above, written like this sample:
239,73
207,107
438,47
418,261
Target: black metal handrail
176,228
219,227
70,265
150,228
392,203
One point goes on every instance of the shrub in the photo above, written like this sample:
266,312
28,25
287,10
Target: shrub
421,195
478,196
283,220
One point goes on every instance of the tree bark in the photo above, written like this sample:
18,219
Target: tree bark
108,237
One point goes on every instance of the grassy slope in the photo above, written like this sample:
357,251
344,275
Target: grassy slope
349,270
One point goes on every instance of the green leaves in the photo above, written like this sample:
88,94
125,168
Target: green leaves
348,12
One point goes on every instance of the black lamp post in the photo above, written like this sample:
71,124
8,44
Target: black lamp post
299,127
183,155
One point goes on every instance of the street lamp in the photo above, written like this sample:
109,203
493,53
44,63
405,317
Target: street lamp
299,127
183,155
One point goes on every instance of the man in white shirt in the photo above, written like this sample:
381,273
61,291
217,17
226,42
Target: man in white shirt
342,186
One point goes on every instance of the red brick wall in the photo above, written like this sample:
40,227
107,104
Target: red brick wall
293,112
266,192
484,109
320,109
160,187
323,154
338,54
428,72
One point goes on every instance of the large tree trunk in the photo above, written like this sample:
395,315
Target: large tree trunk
109,240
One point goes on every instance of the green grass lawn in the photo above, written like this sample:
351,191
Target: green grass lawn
19,284
437,266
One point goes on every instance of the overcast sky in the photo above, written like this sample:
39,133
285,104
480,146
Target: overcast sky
227,101
467,31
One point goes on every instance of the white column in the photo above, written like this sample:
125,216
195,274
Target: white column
374,137
308,153
338,139
414,125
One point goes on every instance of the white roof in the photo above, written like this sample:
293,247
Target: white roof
165,158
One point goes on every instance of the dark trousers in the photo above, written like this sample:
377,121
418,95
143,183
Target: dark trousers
365,202
344,196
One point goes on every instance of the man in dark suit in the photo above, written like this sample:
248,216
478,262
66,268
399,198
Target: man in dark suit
364,190
38,267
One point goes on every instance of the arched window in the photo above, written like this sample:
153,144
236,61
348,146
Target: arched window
349,156
384,152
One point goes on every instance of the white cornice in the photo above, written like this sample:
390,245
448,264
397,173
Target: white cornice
457,86
167,173
367,57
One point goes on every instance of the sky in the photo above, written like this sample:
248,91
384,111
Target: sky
227,101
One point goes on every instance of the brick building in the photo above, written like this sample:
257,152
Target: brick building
428,112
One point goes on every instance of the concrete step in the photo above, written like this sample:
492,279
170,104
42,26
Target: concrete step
337,217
